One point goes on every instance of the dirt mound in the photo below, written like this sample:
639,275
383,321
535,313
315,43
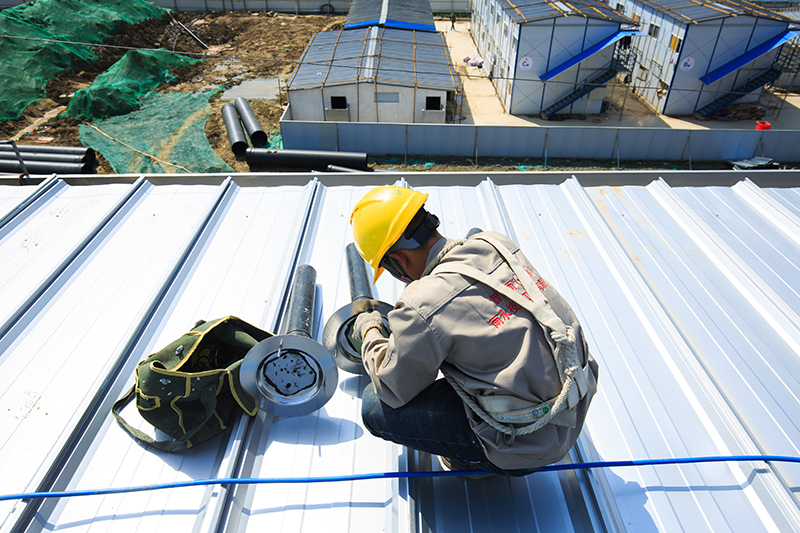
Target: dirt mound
261,44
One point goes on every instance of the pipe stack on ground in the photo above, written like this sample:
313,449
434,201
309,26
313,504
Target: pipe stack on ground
306,159
234,116
47,159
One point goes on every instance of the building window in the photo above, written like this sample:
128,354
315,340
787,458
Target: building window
675,44
387,97
433,103
655,68
338,102
642,73
621,8
505,30
513,44
634,17
652,31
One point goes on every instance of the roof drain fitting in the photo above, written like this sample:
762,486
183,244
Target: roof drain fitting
291,374
336,336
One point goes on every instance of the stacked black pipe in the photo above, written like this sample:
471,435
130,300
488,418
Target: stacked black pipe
307,160
47,159
234,116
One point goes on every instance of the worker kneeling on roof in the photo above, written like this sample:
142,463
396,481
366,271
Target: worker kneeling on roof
519,376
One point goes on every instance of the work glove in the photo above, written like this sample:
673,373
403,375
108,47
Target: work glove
365,322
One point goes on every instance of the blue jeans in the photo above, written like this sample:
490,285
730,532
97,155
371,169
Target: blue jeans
433,422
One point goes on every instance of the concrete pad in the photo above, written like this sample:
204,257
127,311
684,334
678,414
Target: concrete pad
481,105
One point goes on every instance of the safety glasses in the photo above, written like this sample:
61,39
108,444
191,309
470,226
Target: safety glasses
394,268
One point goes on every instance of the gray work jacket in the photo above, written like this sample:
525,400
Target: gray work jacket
489,345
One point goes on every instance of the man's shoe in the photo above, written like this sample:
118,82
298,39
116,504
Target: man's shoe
450,465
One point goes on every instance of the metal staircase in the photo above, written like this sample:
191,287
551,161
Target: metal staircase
622,61
787,61
748,86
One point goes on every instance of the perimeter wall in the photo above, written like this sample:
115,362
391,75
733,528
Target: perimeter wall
282,6
530,141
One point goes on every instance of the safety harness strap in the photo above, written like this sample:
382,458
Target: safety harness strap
564,353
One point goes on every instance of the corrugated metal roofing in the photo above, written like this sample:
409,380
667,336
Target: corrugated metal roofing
376,55
694,11
689,297
539,10
404,14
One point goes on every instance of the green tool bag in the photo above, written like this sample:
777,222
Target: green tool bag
190,389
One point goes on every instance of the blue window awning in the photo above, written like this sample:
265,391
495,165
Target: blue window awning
747,57
592,50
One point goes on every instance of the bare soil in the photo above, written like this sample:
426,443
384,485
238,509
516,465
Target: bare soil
263,45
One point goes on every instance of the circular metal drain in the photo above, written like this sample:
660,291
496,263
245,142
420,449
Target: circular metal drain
335,335
289,375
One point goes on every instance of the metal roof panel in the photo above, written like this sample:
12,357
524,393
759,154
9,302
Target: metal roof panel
688,296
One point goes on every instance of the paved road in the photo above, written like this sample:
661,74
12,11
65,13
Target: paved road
482,106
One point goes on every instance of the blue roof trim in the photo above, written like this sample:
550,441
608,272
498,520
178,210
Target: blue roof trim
375,22
747,57
399,24
553,72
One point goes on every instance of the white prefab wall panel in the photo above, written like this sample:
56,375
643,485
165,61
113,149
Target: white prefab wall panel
545,46
711,46
655,61
307,104
310,104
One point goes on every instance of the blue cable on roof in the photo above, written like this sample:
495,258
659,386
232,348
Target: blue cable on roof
393,475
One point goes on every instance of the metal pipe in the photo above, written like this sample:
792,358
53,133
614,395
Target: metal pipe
300,319
53,157
305,159
43,149
360,286
235,132
46,167
335,168
257,136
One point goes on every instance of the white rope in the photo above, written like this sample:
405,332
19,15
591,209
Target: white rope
438,259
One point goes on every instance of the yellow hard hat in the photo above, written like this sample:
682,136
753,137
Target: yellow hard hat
379,220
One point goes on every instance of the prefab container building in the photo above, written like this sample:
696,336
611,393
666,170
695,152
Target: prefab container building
551,57
388,64
374,74
698,57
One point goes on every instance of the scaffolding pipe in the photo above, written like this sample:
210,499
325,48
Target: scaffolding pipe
305,159
257,136
235,132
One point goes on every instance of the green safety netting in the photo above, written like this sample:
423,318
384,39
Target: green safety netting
118,90
169,127
30,56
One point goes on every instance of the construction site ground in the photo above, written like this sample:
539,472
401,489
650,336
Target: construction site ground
245,46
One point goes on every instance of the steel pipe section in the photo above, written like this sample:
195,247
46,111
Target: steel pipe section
235,131
305,159
39,156
337,335
44,149
45,167
291,374
257,136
